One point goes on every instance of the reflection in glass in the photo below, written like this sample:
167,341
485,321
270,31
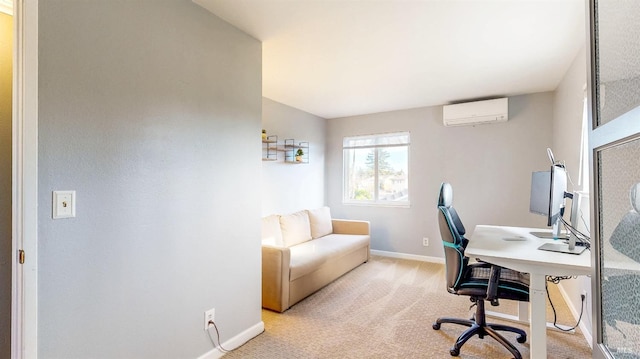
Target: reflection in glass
619,225
617,48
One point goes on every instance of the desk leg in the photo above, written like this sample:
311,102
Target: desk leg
523,311
537,317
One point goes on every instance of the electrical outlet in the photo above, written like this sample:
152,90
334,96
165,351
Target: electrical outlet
583,295
425,241
209,316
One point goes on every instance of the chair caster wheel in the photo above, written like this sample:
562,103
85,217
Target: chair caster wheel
436,326
454,352
521,338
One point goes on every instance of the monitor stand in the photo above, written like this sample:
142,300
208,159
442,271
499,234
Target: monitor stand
562,248
571,245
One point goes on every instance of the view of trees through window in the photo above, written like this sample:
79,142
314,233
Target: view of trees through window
376,169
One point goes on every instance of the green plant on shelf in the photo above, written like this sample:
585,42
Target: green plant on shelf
299,154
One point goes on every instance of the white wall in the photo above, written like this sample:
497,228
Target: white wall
567,114
489,167
151,111
290,187
567,127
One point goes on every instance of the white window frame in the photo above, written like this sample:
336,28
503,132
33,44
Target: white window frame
373,141
583,176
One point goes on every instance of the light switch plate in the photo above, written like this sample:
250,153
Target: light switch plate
64,204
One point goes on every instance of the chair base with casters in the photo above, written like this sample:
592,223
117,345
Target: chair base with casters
479,326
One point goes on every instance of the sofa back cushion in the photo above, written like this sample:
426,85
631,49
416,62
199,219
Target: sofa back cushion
295,228
320,222
271,233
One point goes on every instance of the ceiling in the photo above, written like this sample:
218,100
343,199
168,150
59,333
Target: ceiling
338,58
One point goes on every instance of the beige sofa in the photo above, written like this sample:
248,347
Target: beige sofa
304,251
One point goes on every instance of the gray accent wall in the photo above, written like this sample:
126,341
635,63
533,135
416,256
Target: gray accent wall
6,73
150,110
288,187
489,167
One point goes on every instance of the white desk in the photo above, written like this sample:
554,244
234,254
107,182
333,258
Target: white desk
487,244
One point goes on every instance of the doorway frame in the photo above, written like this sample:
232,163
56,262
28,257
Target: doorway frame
24,173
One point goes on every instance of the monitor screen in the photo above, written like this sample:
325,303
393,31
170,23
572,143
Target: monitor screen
540,189
548,192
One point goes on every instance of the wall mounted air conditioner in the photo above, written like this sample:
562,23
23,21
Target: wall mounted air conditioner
477,112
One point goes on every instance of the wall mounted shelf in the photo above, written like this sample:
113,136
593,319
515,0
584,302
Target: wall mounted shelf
296,152
270,148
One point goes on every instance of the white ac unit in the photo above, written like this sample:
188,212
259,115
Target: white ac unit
477,112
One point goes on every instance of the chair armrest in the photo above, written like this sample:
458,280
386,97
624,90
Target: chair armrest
492,289
275,277
348,226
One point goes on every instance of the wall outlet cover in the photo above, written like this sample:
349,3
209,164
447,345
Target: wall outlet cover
209,316
64,204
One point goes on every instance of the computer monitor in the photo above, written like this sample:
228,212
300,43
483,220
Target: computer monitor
548,193
547,198
540,189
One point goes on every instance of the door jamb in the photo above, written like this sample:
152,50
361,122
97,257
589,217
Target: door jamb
24,286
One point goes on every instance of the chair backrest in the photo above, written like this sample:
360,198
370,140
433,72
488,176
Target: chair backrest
452,232
625,236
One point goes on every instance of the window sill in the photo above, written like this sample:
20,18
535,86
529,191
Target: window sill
378,204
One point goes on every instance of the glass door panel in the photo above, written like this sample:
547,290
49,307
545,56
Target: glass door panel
618,196
614,143
616,59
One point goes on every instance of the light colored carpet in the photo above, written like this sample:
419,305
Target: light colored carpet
385,309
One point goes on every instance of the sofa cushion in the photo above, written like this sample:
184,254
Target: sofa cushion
320,221
309,256
271,233
295,228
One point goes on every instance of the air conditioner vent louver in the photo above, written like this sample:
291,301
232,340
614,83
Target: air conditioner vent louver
477,112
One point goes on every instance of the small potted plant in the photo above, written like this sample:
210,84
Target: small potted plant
264,134
299,154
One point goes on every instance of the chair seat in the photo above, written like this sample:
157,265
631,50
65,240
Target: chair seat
475,281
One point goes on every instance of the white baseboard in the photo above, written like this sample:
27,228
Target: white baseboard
586,331
414,257
235,342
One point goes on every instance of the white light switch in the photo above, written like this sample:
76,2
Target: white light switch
64,204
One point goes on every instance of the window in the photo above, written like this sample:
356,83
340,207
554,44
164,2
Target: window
376,169
583,179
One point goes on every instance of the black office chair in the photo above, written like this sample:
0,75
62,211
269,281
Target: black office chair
480,281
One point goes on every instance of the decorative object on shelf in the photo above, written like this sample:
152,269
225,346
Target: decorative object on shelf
269,147
264,134
296,152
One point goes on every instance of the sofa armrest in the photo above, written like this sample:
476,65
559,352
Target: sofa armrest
275,277
348,226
